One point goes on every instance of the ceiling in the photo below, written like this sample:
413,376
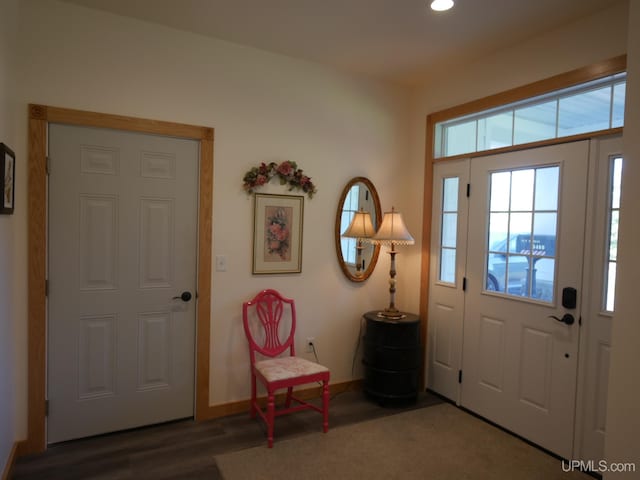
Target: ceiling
395,40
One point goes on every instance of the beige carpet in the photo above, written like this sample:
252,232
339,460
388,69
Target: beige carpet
439,442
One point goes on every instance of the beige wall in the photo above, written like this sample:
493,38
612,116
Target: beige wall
263,107
623,414
8,231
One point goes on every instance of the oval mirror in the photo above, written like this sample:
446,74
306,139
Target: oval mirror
356,257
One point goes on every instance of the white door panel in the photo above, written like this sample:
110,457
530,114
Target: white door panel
595,344
519,365
446,304
122,245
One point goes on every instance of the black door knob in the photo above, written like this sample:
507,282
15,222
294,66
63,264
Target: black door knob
185,297
566,318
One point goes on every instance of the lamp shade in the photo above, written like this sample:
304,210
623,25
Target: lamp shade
393,230
361,226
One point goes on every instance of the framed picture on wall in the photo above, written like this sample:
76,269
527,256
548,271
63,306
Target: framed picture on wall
277,234
7,178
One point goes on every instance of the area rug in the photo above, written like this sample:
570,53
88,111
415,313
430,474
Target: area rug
440,442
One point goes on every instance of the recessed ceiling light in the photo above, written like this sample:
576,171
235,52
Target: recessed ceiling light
441,5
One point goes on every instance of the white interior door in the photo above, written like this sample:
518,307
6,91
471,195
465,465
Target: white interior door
122,245
598,301
525,245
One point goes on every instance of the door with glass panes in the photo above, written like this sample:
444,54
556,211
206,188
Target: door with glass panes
524,251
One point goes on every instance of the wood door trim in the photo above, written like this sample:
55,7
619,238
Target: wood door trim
39,118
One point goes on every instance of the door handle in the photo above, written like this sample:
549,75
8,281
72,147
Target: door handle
566,318
185,297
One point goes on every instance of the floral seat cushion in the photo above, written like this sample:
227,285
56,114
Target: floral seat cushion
282,368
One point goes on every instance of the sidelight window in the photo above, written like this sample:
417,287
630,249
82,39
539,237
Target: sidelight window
615,179
449,229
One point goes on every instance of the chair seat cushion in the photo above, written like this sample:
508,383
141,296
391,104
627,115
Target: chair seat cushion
283,368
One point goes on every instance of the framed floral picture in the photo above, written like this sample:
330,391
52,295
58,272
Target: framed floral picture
7,178
277,234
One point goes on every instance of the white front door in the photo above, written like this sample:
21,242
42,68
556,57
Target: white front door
524,255
122,245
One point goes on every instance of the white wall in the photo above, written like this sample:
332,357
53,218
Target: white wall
623,408
263,107
8,231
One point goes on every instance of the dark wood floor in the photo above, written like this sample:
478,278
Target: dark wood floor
186,449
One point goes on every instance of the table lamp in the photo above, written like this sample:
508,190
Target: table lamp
392,232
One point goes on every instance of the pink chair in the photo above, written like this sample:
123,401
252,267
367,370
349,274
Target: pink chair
270,324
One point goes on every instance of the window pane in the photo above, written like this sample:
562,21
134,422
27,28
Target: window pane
542,279
500,191
617,118
534,123
544,229
498,230
448,265
495,131
449,228
522,190
617,181
585,112
460,138
519,225
496,272
613,236
547,188
450,195
611,287
518,270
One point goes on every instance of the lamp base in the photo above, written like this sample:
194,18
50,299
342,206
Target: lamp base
394,314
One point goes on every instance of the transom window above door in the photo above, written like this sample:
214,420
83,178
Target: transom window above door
522,231
593,106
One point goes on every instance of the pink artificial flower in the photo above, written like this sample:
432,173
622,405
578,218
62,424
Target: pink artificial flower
261,180
285,168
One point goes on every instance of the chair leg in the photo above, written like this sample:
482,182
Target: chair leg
287,402
271,416
325,406
252,408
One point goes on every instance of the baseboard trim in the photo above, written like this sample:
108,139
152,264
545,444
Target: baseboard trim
242,406
15,453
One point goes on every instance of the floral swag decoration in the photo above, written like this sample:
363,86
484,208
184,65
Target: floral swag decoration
287,171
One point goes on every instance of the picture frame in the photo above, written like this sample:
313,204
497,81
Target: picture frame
277,233
7,179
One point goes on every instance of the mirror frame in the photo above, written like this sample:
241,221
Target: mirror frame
378,211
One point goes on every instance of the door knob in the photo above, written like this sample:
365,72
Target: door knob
566,318
185,297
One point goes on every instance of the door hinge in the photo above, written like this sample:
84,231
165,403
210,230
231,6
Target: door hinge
580,320
46,408
468,190
459,376
464,284
48,166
